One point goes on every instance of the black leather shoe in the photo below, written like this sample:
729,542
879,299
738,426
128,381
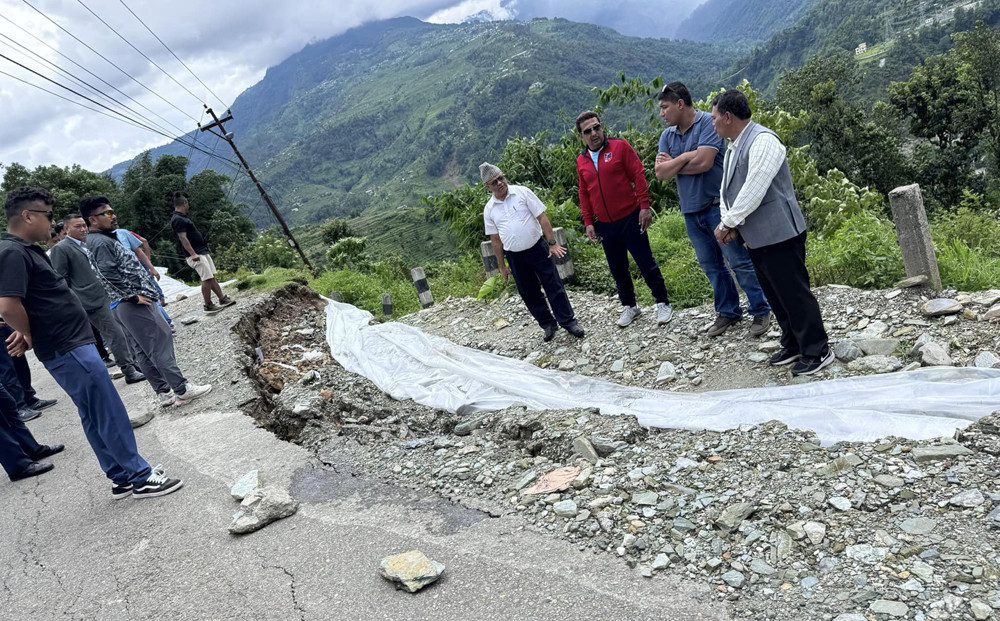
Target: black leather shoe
41,404
48,450
575,330
36,468
134,377
550,333
26,414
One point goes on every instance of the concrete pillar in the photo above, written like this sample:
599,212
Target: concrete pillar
914,234
564,265
386,304
423,289
336,296
489,259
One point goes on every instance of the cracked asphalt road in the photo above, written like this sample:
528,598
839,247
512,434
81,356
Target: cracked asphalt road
68,551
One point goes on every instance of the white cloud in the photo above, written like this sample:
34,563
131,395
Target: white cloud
456,14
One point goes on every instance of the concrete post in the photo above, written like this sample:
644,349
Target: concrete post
423,289
914,234
386,304
489,259
564,265
336,296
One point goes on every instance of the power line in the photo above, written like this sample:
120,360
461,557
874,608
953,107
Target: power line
105,58
129,43
110,85
99,104
172,53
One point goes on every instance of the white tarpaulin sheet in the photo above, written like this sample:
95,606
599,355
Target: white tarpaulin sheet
407,363
171,287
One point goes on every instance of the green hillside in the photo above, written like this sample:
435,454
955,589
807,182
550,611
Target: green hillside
370,121
741,21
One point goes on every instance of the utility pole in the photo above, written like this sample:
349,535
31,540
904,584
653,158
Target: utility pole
228,137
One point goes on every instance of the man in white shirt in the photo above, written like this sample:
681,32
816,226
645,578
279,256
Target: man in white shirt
759,206
515,221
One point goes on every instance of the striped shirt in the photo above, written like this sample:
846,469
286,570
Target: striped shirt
767,154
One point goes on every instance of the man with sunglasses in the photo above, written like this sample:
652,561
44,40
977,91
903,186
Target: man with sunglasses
692,152
614,202
518,228
130,288
47,317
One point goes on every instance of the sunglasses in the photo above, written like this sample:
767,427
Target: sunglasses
596,127
48,214
497,181
108,213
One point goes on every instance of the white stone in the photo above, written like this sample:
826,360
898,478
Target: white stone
260,508
246,484
410,571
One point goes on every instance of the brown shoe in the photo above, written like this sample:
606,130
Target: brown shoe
761,324
722,324
226,301
211,308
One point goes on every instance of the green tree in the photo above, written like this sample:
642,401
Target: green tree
334,230
979,52
67,184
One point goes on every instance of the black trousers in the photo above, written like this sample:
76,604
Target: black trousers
620,239
15,374
17,445
781,270
533,271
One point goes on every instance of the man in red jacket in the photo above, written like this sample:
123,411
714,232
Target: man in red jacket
614,201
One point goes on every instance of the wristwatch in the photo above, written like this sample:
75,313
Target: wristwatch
552,242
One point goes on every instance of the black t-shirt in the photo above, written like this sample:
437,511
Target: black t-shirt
58,322
180,223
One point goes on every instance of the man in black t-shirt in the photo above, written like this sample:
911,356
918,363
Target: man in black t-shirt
46,316
198,259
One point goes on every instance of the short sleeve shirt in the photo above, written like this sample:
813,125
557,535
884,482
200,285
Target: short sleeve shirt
515,219
58,321
696,191
182,224
129,240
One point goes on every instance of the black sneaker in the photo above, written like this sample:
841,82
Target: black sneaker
575,330
549,333
760,324
722,324
810,364
157,485
121,491
783,357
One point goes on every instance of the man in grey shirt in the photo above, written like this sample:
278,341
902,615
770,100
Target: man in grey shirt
71,259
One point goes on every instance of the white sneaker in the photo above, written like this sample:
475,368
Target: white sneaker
166,399
192,392
629,313
664,313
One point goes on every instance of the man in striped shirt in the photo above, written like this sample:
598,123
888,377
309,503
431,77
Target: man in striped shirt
759,205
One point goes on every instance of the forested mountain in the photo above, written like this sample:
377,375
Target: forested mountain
385,113
898,34
741,21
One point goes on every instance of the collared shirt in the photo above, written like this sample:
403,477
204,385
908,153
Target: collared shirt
696,192
515,219
180,223
766,156
57,319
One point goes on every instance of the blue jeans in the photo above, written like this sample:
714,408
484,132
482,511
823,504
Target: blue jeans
713,257
82,374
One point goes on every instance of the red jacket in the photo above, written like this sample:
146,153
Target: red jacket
616,187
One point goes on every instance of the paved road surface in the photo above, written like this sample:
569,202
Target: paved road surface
68,551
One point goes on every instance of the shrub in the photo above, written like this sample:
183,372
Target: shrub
863,253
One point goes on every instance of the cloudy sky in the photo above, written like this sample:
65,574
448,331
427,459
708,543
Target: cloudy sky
228,44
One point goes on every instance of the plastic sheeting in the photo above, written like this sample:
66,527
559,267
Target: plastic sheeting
171,287
407,363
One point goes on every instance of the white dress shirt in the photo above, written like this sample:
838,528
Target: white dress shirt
766,156
515,219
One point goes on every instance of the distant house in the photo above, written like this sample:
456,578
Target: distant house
861,49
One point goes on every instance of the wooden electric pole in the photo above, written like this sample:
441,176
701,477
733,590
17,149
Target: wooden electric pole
228,137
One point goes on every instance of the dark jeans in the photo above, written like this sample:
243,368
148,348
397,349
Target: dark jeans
17,445
713,257
150,339
534,267
781,269
15,374
82,374
620,239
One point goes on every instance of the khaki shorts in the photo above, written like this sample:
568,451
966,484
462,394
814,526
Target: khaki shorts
204,266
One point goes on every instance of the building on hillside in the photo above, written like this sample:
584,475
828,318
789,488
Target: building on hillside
861,49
